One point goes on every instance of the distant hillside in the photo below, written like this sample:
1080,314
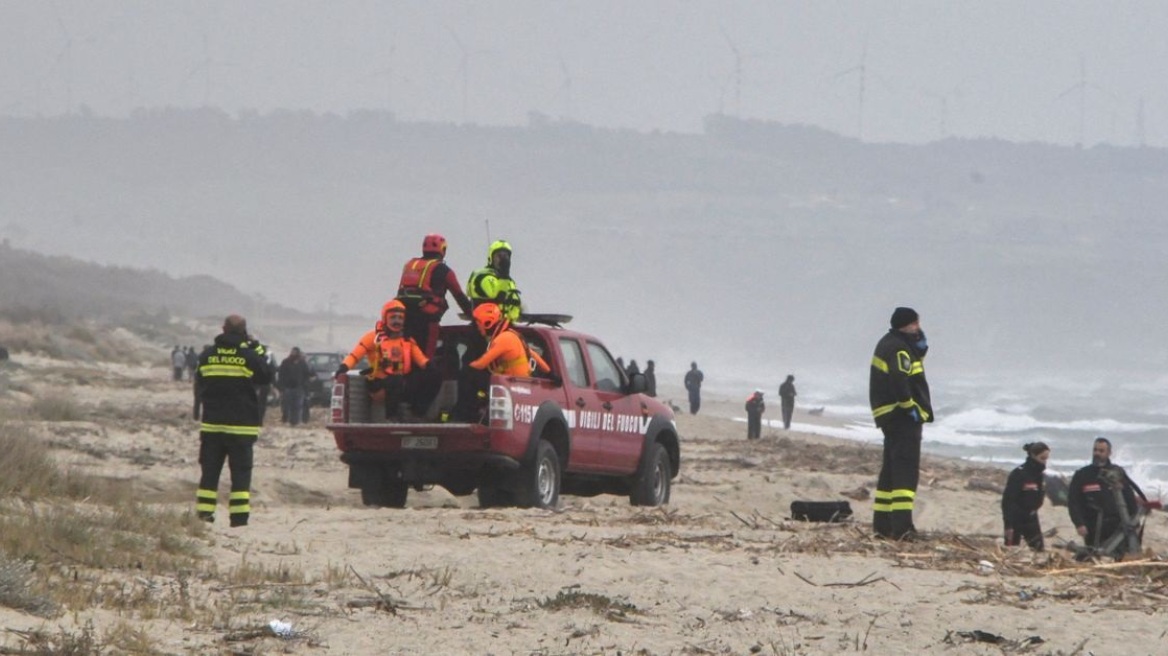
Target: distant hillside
67,287
757,246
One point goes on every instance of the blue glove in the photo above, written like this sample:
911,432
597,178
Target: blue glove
916,415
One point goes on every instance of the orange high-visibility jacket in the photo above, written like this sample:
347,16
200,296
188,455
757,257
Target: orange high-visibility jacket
388,356
507,355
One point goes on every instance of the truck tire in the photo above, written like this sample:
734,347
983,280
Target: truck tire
538,483
653,483
385,494
491,496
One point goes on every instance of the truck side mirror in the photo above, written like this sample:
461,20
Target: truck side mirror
637,384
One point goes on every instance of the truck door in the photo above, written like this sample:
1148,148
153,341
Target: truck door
621,425
583,411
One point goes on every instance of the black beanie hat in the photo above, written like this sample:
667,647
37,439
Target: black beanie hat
903,316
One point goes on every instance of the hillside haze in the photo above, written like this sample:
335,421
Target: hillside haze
754,248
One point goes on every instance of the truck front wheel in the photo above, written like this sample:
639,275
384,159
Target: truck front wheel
539,481
652,486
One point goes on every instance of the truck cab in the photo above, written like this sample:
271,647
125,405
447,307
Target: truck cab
586,428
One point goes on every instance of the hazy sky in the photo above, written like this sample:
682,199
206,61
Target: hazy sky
1034,70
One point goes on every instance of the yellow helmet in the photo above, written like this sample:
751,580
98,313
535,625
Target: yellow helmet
496,246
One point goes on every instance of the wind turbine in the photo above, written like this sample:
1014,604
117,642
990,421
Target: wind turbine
64,59
737,69
1140,133
1081,88
205,66
566,88
943,106
862,69
463,70
387,73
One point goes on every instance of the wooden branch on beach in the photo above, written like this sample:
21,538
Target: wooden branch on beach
867,580
248,586
805,579
869,629
748,524
386,603
1153,564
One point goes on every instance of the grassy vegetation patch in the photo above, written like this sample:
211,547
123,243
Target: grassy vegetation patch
27,470
57,407
62,532
46,332
602,605
133,536
121,639
19,590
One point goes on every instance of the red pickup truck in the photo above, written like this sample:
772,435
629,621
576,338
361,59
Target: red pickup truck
585,429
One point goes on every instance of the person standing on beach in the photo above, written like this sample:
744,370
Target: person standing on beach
1024,494
178,362
650,378
292,380
1091,501
227,376
899,395
787,396
693,385
754,409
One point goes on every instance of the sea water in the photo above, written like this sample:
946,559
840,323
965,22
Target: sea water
988,420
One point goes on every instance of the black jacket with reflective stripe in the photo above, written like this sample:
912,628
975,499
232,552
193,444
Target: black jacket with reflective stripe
897,382
1090,495
227,375
1024,493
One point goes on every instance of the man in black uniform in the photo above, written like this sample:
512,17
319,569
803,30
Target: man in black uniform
650,378
227,376
693,385
1091,499
899,395
787,395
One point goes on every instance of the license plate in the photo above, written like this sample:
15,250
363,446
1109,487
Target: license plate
420,442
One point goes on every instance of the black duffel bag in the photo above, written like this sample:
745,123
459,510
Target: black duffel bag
821,511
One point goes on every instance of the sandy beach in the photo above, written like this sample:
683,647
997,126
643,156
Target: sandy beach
721,570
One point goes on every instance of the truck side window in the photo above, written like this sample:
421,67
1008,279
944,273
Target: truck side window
608,376
574,362
537,345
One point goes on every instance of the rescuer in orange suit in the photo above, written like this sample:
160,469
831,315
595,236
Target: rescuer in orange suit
392,358
424,283
507,354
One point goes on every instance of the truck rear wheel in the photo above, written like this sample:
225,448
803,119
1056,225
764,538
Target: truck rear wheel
654,480
385,494
539,481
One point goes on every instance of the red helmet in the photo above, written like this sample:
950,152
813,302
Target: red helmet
488,317
434,243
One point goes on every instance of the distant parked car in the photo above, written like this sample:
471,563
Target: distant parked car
320,388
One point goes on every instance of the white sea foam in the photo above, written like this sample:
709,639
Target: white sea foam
988,420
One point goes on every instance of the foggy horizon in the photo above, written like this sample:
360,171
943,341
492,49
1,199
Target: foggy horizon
1055,72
